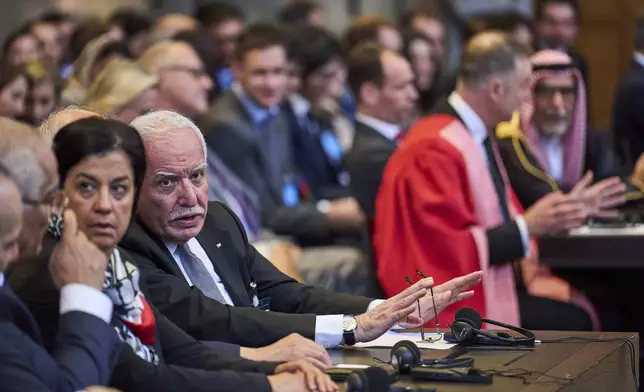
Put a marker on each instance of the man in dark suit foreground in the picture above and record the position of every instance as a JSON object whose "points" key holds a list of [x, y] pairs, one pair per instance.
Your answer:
{"points": [[203, 274], [383, 82], [86, 344]]}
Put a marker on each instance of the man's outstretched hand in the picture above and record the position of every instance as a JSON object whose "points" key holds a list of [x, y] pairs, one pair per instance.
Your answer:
{"points": [[402, 309], [445, 294]]}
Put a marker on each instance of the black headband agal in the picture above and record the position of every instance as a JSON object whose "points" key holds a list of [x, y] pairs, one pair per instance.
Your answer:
{"points": [[553, 67]]}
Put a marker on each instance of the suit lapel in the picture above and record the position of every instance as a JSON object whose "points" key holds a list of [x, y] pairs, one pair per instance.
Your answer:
{"points": [[214, 242], [159, 252]]}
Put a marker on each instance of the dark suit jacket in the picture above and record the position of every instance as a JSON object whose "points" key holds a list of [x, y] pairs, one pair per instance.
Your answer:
{"points": [[321, 173], [599, 157], [185, 364], [366, 162], [628, 114], [85, 350], [238, 264], [228, 130]]}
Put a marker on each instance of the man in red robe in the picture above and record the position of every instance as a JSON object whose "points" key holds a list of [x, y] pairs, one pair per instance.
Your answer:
{"points": [[445, 207]]}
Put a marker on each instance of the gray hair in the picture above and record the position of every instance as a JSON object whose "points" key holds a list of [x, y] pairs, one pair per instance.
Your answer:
{"points": [[490, 54], [164, 124], [19, 155], [60, 118]]}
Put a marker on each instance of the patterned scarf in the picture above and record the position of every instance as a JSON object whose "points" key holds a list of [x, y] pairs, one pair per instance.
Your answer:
{"points": [[135, 323], [548, 63]]}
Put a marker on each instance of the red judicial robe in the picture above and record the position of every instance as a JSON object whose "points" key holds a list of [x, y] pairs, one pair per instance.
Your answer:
{"points": [[437, 211]]}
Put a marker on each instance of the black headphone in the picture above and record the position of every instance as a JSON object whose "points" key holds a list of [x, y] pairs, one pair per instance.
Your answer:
{"points": [[405, 355], [372, 379], [466, 329], [376, 379]]}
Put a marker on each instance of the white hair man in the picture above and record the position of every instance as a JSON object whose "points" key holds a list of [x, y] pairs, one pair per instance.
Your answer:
{"points": [[198, 259]]}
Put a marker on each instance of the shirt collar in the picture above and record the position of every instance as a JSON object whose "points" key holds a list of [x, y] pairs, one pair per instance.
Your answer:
{"points": [[386, 129], [472, 121], [1, 279], [257, 113], [639, 57], [300, 105]]}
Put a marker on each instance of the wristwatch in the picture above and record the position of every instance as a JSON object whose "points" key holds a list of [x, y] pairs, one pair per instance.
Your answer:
{"points": [[349, 325]]}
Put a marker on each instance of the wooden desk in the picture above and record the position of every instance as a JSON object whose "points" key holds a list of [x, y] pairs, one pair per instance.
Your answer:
{"points": [[592, 366], [594, 248]]}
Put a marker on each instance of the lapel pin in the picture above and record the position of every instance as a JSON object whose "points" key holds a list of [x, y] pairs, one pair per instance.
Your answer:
{"points": [[219, 245]]}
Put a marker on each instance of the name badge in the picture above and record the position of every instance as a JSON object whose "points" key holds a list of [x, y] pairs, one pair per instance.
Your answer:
{"points": [[262, 304], [290, 197], [331, 146]]}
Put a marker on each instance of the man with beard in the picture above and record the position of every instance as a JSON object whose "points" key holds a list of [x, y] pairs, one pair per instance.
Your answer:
{"points": [[445, 206], [549, 147]]}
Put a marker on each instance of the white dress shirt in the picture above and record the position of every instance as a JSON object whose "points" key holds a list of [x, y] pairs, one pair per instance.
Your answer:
{"points": [[639, 57], [388, 130], [553, 151], [328, 328], [479, 131], [82, 298]]}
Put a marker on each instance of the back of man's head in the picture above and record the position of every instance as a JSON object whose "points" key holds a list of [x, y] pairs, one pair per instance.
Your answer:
{"points": [[25, 156], [639, 32], [259, 36], [364, 65], [60, 118], [489, 54]]}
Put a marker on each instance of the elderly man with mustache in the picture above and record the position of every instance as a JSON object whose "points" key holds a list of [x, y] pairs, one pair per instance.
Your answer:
{"points": [[549, 146]]}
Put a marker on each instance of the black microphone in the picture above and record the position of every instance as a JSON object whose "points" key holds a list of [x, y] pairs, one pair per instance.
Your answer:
{"points": [[376, 379]]}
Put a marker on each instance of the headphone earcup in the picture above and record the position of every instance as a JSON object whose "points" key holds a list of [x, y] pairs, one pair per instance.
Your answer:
{"points": [[357, 382], [464, 332], [405, 355]]}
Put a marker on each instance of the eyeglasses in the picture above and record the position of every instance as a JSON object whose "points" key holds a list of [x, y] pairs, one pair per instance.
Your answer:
{"points": [[545, 91], [439, 334], [195, 72], [54, 199]]}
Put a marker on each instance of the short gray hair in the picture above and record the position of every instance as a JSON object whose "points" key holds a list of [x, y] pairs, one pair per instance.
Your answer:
{"points": [[19, 154], [490, 54], [60, 118], [163, 124]]}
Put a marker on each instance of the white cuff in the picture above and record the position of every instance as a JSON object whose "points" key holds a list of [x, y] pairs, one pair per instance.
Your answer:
{"points": [[525, 235], [374, 303], [328, 330], [82, 298]]}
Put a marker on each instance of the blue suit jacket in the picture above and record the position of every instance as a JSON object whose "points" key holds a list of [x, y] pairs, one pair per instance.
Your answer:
{"points": [[85, 351]]}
